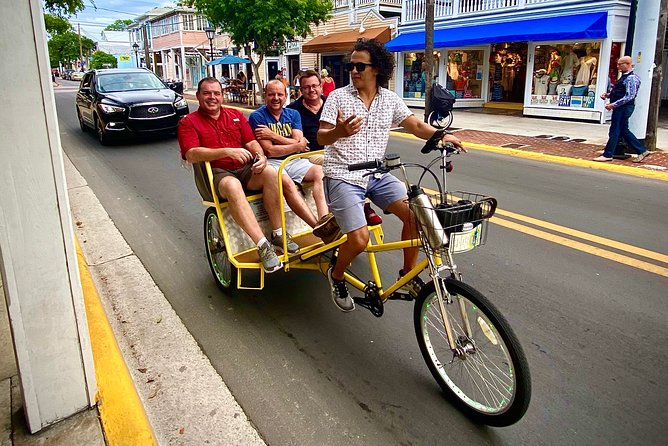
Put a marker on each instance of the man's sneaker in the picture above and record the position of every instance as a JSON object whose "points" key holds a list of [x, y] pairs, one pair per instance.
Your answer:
{"points": [[372, 218], [327, 229], [269, 259], [277, 241], [339, 292], [641, 156], [413, 287], [602, 158]]}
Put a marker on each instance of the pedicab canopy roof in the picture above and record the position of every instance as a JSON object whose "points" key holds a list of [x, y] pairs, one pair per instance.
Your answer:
{"points": [[344, 41], [568, 27]]}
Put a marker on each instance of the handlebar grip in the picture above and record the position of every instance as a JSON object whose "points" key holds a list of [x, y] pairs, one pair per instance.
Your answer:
{"points": [[433, 141], [368, 165]]}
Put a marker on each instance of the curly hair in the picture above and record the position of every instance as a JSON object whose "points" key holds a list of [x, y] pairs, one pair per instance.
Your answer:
{"points": [[381, 59]]}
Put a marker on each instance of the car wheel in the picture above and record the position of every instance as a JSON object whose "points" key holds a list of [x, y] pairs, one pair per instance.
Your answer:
{"points": [[102, 135], [82, 124]]}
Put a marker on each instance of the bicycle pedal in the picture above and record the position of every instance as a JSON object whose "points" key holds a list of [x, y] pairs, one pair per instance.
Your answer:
{"points": [[401, 296]]}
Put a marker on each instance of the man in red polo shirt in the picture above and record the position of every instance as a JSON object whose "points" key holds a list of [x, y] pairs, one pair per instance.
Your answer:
{"points": [[223, 136]]}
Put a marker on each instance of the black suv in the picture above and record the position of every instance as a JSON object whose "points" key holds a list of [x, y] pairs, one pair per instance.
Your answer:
{"points": [[127, 102]]}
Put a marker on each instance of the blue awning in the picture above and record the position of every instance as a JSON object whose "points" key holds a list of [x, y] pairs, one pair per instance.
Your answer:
{"points": [[570, 27]]}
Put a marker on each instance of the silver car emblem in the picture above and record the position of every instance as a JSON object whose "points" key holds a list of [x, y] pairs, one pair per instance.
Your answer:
{"points": [[153, 109]]}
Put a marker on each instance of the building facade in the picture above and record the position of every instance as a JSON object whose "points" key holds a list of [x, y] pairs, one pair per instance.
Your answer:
{"points": [[547, 57]]}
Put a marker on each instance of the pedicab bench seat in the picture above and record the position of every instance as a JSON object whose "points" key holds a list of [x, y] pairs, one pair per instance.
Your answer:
{"points": [[239, 245]]}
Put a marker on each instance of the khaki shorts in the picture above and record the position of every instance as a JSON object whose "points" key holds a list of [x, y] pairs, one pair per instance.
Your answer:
{"points": [[244, 174]]}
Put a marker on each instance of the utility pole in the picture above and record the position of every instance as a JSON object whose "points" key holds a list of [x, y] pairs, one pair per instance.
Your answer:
{"points": [[657, 77], [428, 57], [80, 48], [147, 56]]}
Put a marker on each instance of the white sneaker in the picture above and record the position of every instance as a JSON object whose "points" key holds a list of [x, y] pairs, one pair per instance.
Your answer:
{"points": [[602, 158]]}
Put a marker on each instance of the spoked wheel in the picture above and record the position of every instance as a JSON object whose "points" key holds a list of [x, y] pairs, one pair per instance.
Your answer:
{"points": [[224, 273], [440, 121], [488, 377]]}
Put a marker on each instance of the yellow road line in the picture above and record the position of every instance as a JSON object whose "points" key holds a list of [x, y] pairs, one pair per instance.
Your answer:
{"points": [[121, 411], [586, 236], [582, 247]]}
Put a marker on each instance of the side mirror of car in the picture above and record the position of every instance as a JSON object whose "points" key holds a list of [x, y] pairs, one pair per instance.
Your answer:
{"points": [[176, 86]]}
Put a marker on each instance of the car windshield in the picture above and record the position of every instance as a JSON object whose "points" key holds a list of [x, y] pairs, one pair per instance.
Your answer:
{"points": [[128, 82]]}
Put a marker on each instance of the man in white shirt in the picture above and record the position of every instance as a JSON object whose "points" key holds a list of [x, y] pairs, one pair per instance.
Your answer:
{"points": [[354, 127]]}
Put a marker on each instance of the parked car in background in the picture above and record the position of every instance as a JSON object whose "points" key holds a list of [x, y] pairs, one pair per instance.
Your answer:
{"points": [[76, 75], [130, 101]]}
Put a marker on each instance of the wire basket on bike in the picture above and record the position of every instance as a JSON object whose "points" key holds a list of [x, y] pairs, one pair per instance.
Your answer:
{"points": [[461, 221]]}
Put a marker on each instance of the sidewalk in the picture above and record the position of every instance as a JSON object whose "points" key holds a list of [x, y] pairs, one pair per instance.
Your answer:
{"points": [[162, 362]]}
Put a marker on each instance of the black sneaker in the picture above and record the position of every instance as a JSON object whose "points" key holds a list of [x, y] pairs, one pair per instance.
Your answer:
{"points": [[413, 287], [339, 292]]}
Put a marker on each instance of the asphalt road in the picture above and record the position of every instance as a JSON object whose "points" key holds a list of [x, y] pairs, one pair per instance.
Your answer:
{"points": [[587, 306]]}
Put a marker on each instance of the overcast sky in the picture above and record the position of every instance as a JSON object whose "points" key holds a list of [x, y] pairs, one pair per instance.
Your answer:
{"points": [[94, 20]]}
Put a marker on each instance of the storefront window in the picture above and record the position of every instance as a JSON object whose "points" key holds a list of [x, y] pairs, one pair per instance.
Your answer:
{"points": [[508, 71], [565, 75], [464, 73], [415, 76]]}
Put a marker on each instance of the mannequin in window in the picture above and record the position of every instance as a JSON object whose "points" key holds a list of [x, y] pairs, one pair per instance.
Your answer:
{"points": [[554, 64], [540, 82], [587, 67], [509, 73], [570, 61]]}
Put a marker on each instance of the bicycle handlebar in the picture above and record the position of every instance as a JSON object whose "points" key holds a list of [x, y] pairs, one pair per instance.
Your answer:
{"points": [[367, 165]]}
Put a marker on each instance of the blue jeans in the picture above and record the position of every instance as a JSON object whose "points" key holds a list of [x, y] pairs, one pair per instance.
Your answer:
{"points": [[619, 128]]}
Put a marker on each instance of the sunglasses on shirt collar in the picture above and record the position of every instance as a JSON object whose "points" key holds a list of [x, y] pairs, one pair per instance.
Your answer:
{"points": [[359, 66]]}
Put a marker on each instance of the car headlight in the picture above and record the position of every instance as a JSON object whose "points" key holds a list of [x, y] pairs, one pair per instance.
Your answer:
{"points": [[111, 108], [180, 103]]}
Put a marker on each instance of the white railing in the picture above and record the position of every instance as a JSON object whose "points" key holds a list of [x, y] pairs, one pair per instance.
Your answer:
{"points": [[366, 3], [339, 4], [485, 5], [415, 10]]}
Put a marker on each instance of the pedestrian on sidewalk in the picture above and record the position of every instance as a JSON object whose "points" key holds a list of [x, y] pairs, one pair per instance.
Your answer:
{"points": [[622, 103]]}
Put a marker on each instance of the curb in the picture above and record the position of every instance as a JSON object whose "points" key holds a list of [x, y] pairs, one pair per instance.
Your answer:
{"points": [[122, 415]]}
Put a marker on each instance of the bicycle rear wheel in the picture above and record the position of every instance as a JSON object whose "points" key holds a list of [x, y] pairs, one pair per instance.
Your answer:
{"points": [[224, 273], [489, 378], [440, 121]]}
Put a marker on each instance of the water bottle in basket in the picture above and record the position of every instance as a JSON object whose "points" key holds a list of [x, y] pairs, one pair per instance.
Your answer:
{"points": [[424, 211]]}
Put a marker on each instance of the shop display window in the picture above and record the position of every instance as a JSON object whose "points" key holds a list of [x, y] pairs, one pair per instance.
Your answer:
{"points": [[415, 76], [464, 70], [507, 71], [565, 75]]}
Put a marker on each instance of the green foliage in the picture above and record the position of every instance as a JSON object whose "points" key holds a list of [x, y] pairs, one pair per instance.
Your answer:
{"points": [[64, 7], [119, 25], [56, 25], [100, 59], [264, 24], [64, 48]]}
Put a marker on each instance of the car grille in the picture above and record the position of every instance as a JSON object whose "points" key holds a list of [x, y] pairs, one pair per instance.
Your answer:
{"points": [[151, 111], [149, 125]]}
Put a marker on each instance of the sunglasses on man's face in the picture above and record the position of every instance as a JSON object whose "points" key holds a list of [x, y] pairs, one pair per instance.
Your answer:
{"points": [[359, 66]]}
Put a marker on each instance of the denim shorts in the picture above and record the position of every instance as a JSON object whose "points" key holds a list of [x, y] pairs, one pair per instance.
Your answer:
{"points": [[295, 169], [346, 201]]}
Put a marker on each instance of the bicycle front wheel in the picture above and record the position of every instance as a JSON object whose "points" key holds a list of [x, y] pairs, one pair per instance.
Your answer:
{"points": [[487, 377], [440, 121]]}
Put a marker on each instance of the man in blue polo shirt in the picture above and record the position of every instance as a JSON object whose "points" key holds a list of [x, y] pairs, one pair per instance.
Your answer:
{"points": [[279, 132]]}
